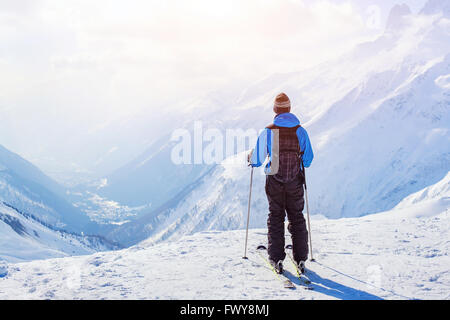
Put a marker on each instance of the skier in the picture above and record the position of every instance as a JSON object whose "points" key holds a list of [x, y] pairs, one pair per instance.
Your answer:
{"points": [[288, 146]]}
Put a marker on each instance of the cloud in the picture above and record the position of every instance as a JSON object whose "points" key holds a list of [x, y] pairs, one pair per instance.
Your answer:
{"points": [[145, 49], [18, 6]]}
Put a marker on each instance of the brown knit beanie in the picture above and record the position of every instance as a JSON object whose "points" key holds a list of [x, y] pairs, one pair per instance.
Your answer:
{"points": [[282, 104]]}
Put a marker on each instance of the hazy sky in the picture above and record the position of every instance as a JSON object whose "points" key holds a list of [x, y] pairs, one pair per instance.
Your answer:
{"points": [[74, 66]]}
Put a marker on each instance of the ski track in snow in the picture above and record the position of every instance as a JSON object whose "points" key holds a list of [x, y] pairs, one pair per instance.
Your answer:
{"points": [[374, 257]]}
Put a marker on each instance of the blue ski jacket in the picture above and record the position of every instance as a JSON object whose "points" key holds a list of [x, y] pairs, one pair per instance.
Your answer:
{"points": [[265, 140]]}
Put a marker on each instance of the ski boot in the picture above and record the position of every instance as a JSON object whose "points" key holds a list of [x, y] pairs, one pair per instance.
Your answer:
{"points": [[277, 266], [301, 267]]}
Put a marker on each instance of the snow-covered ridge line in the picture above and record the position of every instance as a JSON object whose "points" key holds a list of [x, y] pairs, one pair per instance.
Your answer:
{"points": [[438, 191], [23, 237], [89, 237], [25, 187]]}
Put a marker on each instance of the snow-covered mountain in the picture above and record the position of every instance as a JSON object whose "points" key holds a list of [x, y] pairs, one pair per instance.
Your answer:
{"points": [[429, 201], [25, 187], [378, 118], [152, 178], [24, 237], [392, 255], [36, 220]]}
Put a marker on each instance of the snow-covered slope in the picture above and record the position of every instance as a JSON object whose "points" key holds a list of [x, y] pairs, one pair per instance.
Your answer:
{"points": [[438, 192], [430, 201], [218, 201], [25, 187], [24, 237], [152, 178], [15, 163], [384, 256], [36, 220]]}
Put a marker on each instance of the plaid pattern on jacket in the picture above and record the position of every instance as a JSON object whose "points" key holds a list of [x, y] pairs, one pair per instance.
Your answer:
{"points": [[286, 151]]}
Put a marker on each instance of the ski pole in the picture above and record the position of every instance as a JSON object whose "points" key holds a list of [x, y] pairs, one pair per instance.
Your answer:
{"points": [[307, 213], [248, 214]]}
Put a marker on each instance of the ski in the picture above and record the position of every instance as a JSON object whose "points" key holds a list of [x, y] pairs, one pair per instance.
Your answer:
{"points": [[301, 277], [288, 284]]}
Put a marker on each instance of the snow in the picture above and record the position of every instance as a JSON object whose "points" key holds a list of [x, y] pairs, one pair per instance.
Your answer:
{"points": [[379, 121], [372, 257], [24, 239], [439, 191], [427, 202], [25, 187], [3, 269], [398, 254]]}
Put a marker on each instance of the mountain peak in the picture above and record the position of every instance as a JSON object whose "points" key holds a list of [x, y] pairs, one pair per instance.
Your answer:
{"points": [[396, 17]]}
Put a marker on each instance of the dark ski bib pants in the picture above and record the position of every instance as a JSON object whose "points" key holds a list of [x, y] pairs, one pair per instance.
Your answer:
{"points": [[285, 194]]}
